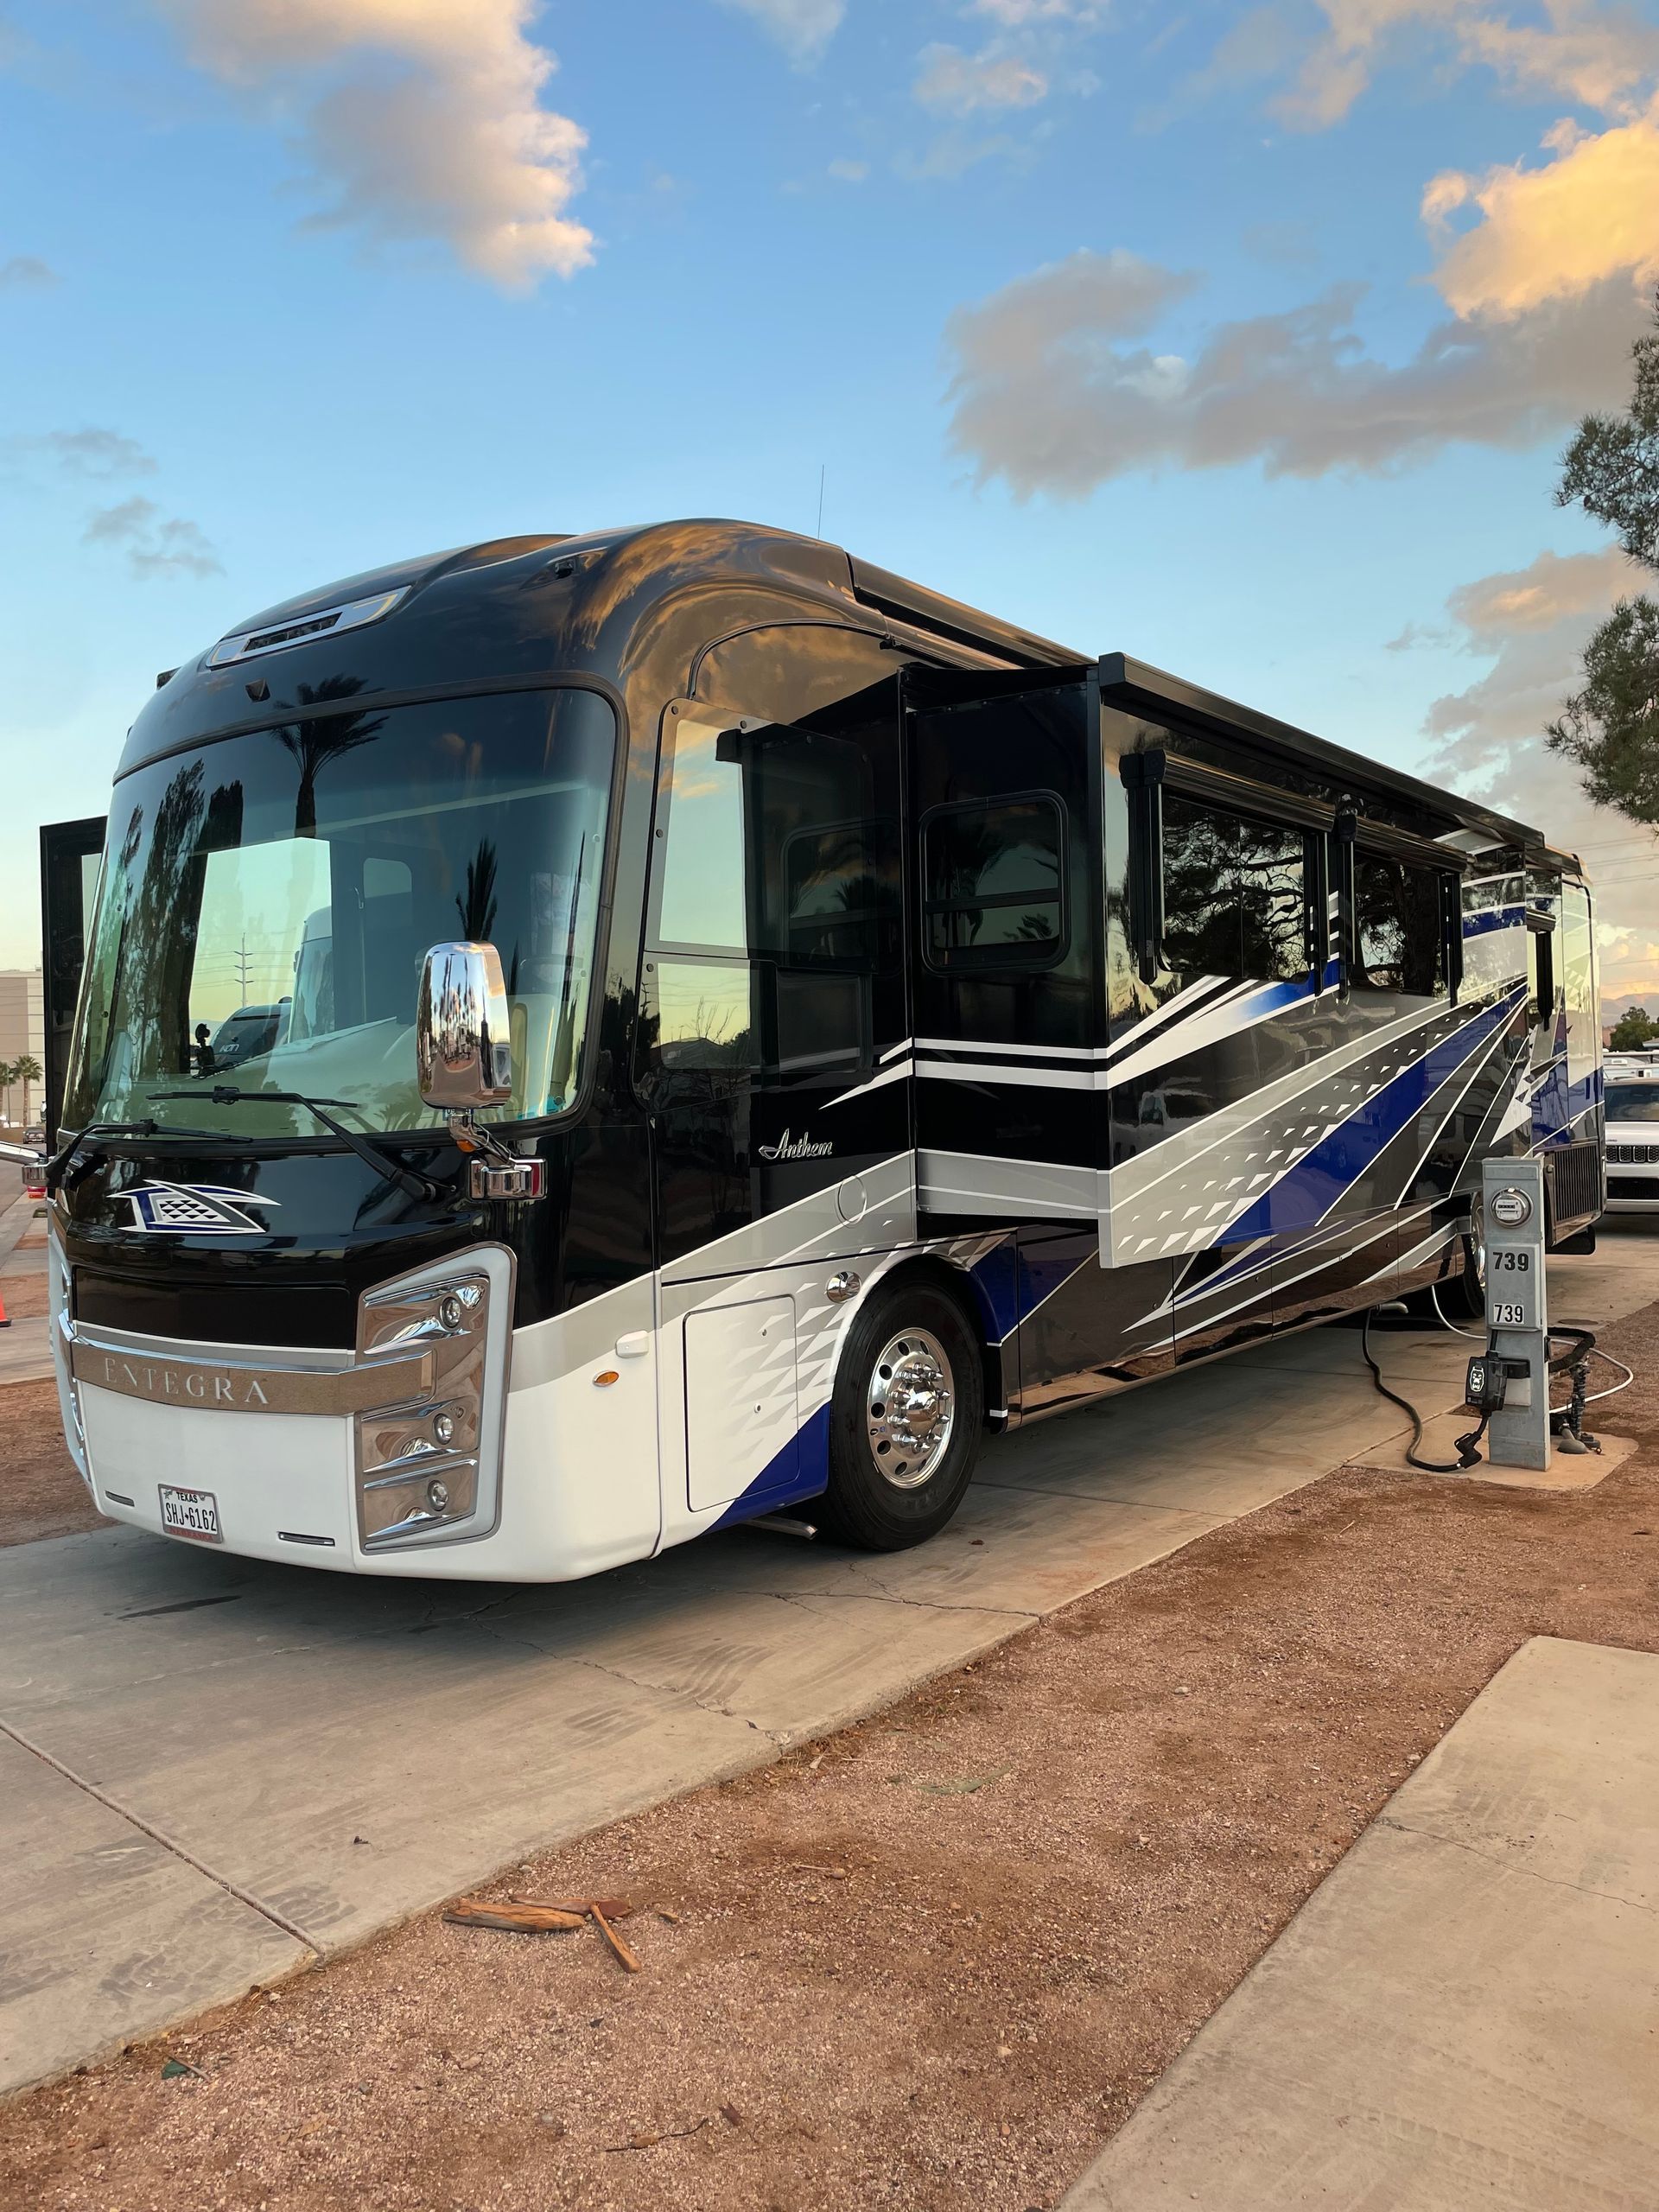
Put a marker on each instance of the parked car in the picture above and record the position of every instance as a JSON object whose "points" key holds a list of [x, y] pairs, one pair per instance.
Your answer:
{"points": [[1632, 1096]]}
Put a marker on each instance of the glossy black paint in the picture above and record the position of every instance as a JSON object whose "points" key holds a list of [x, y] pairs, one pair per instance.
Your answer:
{"points": [[753, 619], [952, 705]]}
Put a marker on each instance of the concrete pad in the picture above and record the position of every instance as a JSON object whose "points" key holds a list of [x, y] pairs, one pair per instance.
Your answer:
{"points": [[26, 1349], [154, 1940], [265, 1717], [1463, 2011], [1567, 1471]]}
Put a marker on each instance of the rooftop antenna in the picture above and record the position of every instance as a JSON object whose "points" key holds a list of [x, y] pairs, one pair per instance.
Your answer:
{"points": [[823, 469]]}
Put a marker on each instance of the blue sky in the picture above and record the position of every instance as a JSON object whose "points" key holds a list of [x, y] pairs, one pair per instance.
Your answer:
{"points": [[1243, 339]]}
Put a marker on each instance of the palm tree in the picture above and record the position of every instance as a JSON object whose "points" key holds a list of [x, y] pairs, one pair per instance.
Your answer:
{"points": [[26, 1070], [8, 1076]]}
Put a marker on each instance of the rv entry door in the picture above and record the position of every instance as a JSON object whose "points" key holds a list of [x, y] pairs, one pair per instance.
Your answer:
{"points": [[1008, 1014]]}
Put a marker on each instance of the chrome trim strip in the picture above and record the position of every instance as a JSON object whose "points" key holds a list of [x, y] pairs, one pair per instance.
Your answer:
{"points": [[235, 1385]]}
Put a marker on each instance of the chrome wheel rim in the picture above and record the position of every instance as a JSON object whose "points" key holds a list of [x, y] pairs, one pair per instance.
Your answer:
{"points": [[910, 1407], [1477, 1240]]}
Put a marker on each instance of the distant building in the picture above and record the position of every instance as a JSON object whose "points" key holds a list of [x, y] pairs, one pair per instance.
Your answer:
{"points": [[22, 1035]]}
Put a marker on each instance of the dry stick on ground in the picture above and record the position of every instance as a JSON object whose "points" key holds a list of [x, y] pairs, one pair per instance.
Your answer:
{"points": [[628, 1957], [520, 1919]]}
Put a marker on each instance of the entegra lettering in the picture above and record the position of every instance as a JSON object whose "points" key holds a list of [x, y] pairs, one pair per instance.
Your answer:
{"points": [[794, 1147], [202, 1387]]}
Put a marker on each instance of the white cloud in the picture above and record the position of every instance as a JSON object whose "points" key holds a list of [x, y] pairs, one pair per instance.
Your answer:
{"points": [[1599, 56], [1550, 233], [154, 544], [1531, 625], [802, 27], [422, 118], [951, 82], [25, 271], [845, 172], [1047, 395], [1015, 14]]}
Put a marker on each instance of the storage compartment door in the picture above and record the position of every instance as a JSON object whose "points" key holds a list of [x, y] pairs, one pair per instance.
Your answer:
{"points": [[741, 1423]]}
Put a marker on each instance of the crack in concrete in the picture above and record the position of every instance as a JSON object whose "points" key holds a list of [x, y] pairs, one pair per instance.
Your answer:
{"points": [[168, 1843], [1511, 1865], [881, 1596]]}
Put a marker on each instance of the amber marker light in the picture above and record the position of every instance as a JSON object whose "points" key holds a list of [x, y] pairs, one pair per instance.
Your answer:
{"points": [[604, 1380]]}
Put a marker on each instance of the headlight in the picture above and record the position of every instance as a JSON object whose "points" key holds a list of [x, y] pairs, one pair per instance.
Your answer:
{"points": [[429, 1467]]}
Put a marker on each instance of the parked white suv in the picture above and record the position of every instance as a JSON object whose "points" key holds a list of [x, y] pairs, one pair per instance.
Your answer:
{"points": [[1632, 1093]]}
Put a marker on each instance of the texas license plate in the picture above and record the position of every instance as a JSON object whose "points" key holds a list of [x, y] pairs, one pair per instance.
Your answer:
{"points": [[191, 1513]]}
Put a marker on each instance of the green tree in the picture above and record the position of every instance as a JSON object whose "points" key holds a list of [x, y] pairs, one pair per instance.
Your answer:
{"points": [[1634, 1028], [8, 1076], [1611, 727]]}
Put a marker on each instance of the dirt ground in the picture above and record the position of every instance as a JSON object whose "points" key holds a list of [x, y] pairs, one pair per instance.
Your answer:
{"points": [[24, 1296], [41, 1494], [933, 1962]]}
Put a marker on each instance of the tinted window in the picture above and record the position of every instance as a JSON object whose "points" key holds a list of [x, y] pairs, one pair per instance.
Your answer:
{"points": [[774, 845], [1234, 894], [1633, 1102], [777, 902], [1397, 924], [992, 879]]}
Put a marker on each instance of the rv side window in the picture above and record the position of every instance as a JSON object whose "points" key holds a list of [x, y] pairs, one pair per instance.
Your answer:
{"points": [[1398, 923], [992, 883], [1235, 893]]}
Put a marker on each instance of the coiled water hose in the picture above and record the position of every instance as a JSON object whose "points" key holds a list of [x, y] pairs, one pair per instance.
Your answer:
{"points": [[1581, 1349]]}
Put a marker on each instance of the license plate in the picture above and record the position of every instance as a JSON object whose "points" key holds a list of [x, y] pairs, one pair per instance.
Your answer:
{"points": [[191, 1513]]}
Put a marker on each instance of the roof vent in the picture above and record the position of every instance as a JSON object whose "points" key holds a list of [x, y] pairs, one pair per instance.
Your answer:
{"points": [[352, 616]]}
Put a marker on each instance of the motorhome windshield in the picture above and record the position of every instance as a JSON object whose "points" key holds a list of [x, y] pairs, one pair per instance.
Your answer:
{"points": [[267, 902]]}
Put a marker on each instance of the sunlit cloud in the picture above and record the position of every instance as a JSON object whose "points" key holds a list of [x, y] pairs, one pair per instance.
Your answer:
{"points": [[1550, 233], [417, 119], [1531, 625], [1599, 56]]}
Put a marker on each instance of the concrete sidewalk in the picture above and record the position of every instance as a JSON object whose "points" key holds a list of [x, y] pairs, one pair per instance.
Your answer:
{"points": [[217, 1770], [1465, 2012]]}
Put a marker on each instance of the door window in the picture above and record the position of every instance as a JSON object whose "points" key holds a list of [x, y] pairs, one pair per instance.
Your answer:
{"points": [[777, 902]]}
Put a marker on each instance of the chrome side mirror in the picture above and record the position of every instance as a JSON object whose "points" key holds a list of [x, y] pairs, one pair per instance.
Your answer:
{"points": [[22, 1155], [463, 1046]]}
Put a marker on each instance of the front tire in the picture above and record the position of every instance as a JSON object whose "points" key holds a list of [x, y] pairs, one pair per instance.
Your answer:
{"points": [[906, 1420]]}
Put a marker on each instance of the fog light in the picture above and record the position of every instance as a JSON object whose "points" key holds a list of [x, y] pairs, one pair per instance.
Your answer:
{"points": [[437, 1496], [443, 1426], [450, 1312]]}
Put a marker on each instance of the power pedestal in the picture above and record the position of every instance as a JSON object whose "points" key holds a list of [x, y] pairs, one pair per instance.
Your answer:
{"points": [[1517, 1313]]}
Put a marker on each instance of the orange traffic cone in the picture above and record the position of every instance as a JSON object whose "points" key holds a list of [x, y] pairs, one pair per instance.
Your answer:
{"points": [[5, 1317]]}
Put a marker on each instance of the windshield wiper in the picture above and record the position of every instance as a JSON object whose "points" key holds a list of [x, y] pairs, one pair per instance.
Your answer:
{"points": [[58, 1166], [228, 1094]]}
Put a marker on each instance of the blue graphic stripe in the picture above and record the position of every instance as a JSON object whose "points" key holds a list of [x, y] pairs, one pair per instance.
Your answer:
{"points": [[801, 1470], [1309, 1190]]}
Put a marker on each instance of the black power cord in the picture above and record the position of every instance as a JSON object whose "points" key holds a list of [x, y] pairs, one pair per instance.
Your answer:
{"points": [[1467, 1446]]}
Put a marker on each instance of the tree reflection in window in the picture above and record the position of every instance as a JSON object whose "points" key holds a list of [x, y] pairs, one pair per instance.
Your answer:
{"points": [[1397, 924], [992, 874], [1234, 894]]}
